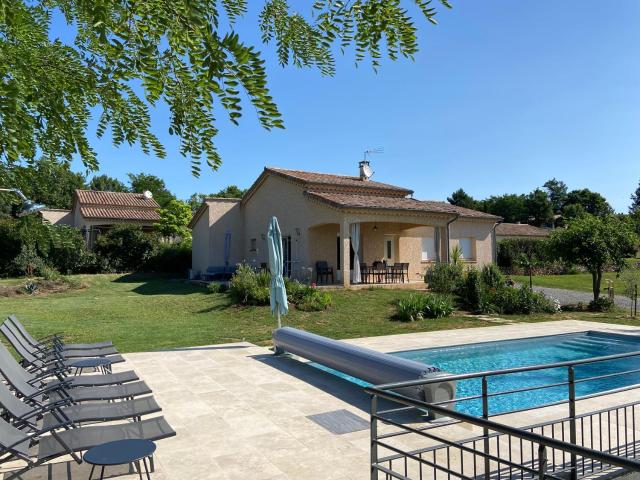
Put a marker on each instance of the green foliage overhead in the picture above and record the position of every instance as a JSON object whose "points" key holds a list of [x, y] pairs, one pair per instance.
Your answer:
{"points": [[186, 54], [105, 183], [511, 207], [594, 243], [142, 181], [174, 219]]}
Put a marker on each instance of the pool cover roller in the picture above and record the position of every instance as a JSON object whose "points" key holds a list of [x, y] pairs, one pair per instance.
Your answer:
{"points": [[373, 367]]}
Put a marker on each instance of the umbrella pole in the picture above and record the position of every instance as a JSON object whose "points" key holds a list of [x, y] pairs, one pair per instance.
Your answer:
{"points": [[278, 317]]}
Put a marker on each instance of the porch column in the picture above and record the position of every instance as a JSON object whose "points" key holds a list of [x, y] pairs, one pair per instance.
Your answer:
{"points": [[345, 253]]}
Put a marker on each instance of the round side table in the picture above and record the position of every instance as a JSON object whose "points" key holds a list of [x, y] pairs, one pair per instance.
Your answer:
{"points": [[120, 452], [99, 363]]}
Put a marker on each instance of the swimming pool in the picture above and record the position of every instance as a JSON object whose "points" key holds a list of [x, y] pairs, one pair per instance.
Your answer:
{"points": [[491, 356]]}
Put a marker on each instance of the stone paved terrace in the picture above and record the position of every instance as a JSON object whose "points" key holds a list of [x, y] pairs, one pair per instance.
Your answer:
{"points": [[241, 413]]}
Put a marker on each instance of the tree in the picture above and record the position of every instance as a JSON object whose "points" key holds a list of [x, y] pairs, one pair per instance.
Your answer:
{"points": [[594, 243], [174, 219], [105, 183], [186, 54], [592, 202], [48, 182], [461, 198], [539, 208], [557, 191], [142, 181], [232, 191], [635, 201], [511, 207]]}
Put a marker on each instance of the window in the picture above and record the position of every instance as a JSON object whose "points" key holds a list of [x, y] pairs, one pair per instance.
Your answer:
{"points": [[253, 245], [466, 246], [428, 249]]}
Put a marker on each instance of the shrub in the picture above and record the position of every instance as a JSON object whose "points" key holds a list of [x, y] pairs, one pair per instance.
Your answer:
{"points": [[49, 273], [444, 277], [171, 258], [471, 289], [492, 277], [217, 287], [66, 249], [314, 300], [522, 300], [417, 306], [438, 306], [248, 287], [511, 251], [126, 247], [602, 304], [28, 262]]}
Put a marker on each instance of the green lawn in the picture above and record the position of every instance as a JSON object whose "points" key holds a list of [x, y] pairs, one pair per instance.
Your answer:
{"points": [[578, 281], [142, 313]]}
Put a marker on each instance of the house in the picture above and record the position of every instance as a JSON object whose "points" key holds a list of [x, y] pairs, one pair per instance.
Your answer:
{"points": [[324, 216], [520, 231], [95, 212]]}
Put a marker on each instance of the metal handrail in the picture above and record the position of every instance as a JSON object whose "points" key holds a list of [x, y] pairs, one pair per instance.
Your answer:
{"points": [[508, 430]]}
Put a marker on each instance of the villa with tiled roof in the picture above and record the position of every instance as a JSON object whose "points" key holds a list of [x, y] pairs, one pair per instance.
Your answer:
{"points": [[337, 220], [95, 212]]}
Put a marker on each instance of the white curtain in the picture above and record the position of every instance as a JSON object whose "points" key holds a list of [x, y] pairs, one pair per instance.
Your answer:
{"points": [[355, 244]]}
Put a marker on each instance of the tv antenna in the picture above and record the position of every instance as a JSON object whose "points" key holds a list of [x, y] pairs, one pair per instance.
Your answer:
{"points": [[371, 151]]}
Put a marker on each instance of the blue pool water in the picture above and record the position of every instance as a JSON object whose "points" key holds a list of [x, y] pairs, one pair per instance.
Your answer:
{"points": [[491, 356]]}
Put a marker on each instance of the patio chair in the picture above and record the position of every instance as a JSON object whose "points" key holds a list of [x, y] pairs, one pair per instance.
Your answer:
{"points": [[36, 360], [32, 390], [56, 338], [405, 271], [395, 272], [323, 272], [365, 273], [380, 271], [66, 438], [43, 349]]}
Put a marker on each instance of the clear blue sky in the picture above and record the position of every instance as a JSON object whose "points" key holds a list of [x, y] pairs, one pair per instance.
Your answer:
{"points": [[502, 96]]}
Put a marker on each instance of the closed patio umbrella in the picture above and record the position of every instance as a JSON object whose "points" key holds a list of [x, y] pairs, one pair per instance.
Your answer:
{"points": [[278, 297]]}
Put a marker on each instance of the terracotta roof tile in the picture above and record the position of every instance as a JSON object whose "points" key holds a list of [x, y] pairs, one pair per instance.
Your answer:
{"points": [[317, 181], [115, 199], [346, 200], [110, 213], [117, 206], [520, 230]]}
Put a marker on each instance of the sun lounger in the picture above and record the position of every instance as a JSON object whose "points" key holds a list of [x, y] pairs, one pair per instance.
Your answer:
{"points": [[56, 338]]}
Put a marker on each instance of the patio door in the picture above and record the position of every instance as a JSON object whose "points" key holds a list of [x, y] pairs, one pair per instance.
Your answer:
{"points": [[389, 249], [286, 256]]}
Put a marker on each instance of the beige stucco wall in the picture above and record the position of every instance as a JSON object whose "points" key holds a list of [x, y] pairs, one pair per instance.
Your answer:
{"points": [[296, 214], [481, 235], [200, 251], [57, 217]]}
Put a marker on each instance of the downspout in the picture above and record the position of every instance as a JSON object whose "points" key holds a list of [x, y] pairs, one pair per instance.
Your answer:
{"points": [[494, 243], [448, 242]]}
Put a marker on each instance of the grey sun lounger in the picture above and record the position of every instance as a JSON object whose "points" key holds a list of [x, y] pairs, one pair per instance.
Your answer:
{"points": [[33, 355], [18, 379], [55, 338], [51, 377], [67, 440], [25, 415]]}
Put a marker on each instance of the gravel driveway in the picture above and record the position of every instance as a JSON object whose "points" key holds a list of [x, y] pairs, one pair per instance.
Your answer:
{"points": [[566, 297]]}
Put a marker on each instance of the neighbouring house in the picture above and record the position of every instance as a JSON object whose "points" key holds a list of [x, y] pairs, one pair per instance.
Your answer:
{"points": [[95, 212], [520, 231], [323, 217]]}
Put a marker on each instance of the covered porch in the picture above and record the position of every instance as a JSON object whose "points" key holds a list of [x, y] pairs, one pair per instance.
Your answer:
{"points": [[377, 249]]}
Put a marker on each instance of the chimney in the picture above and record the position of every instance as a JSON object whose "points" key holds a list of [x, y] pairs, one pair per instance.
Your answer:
{"points": [[365, 170]]}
